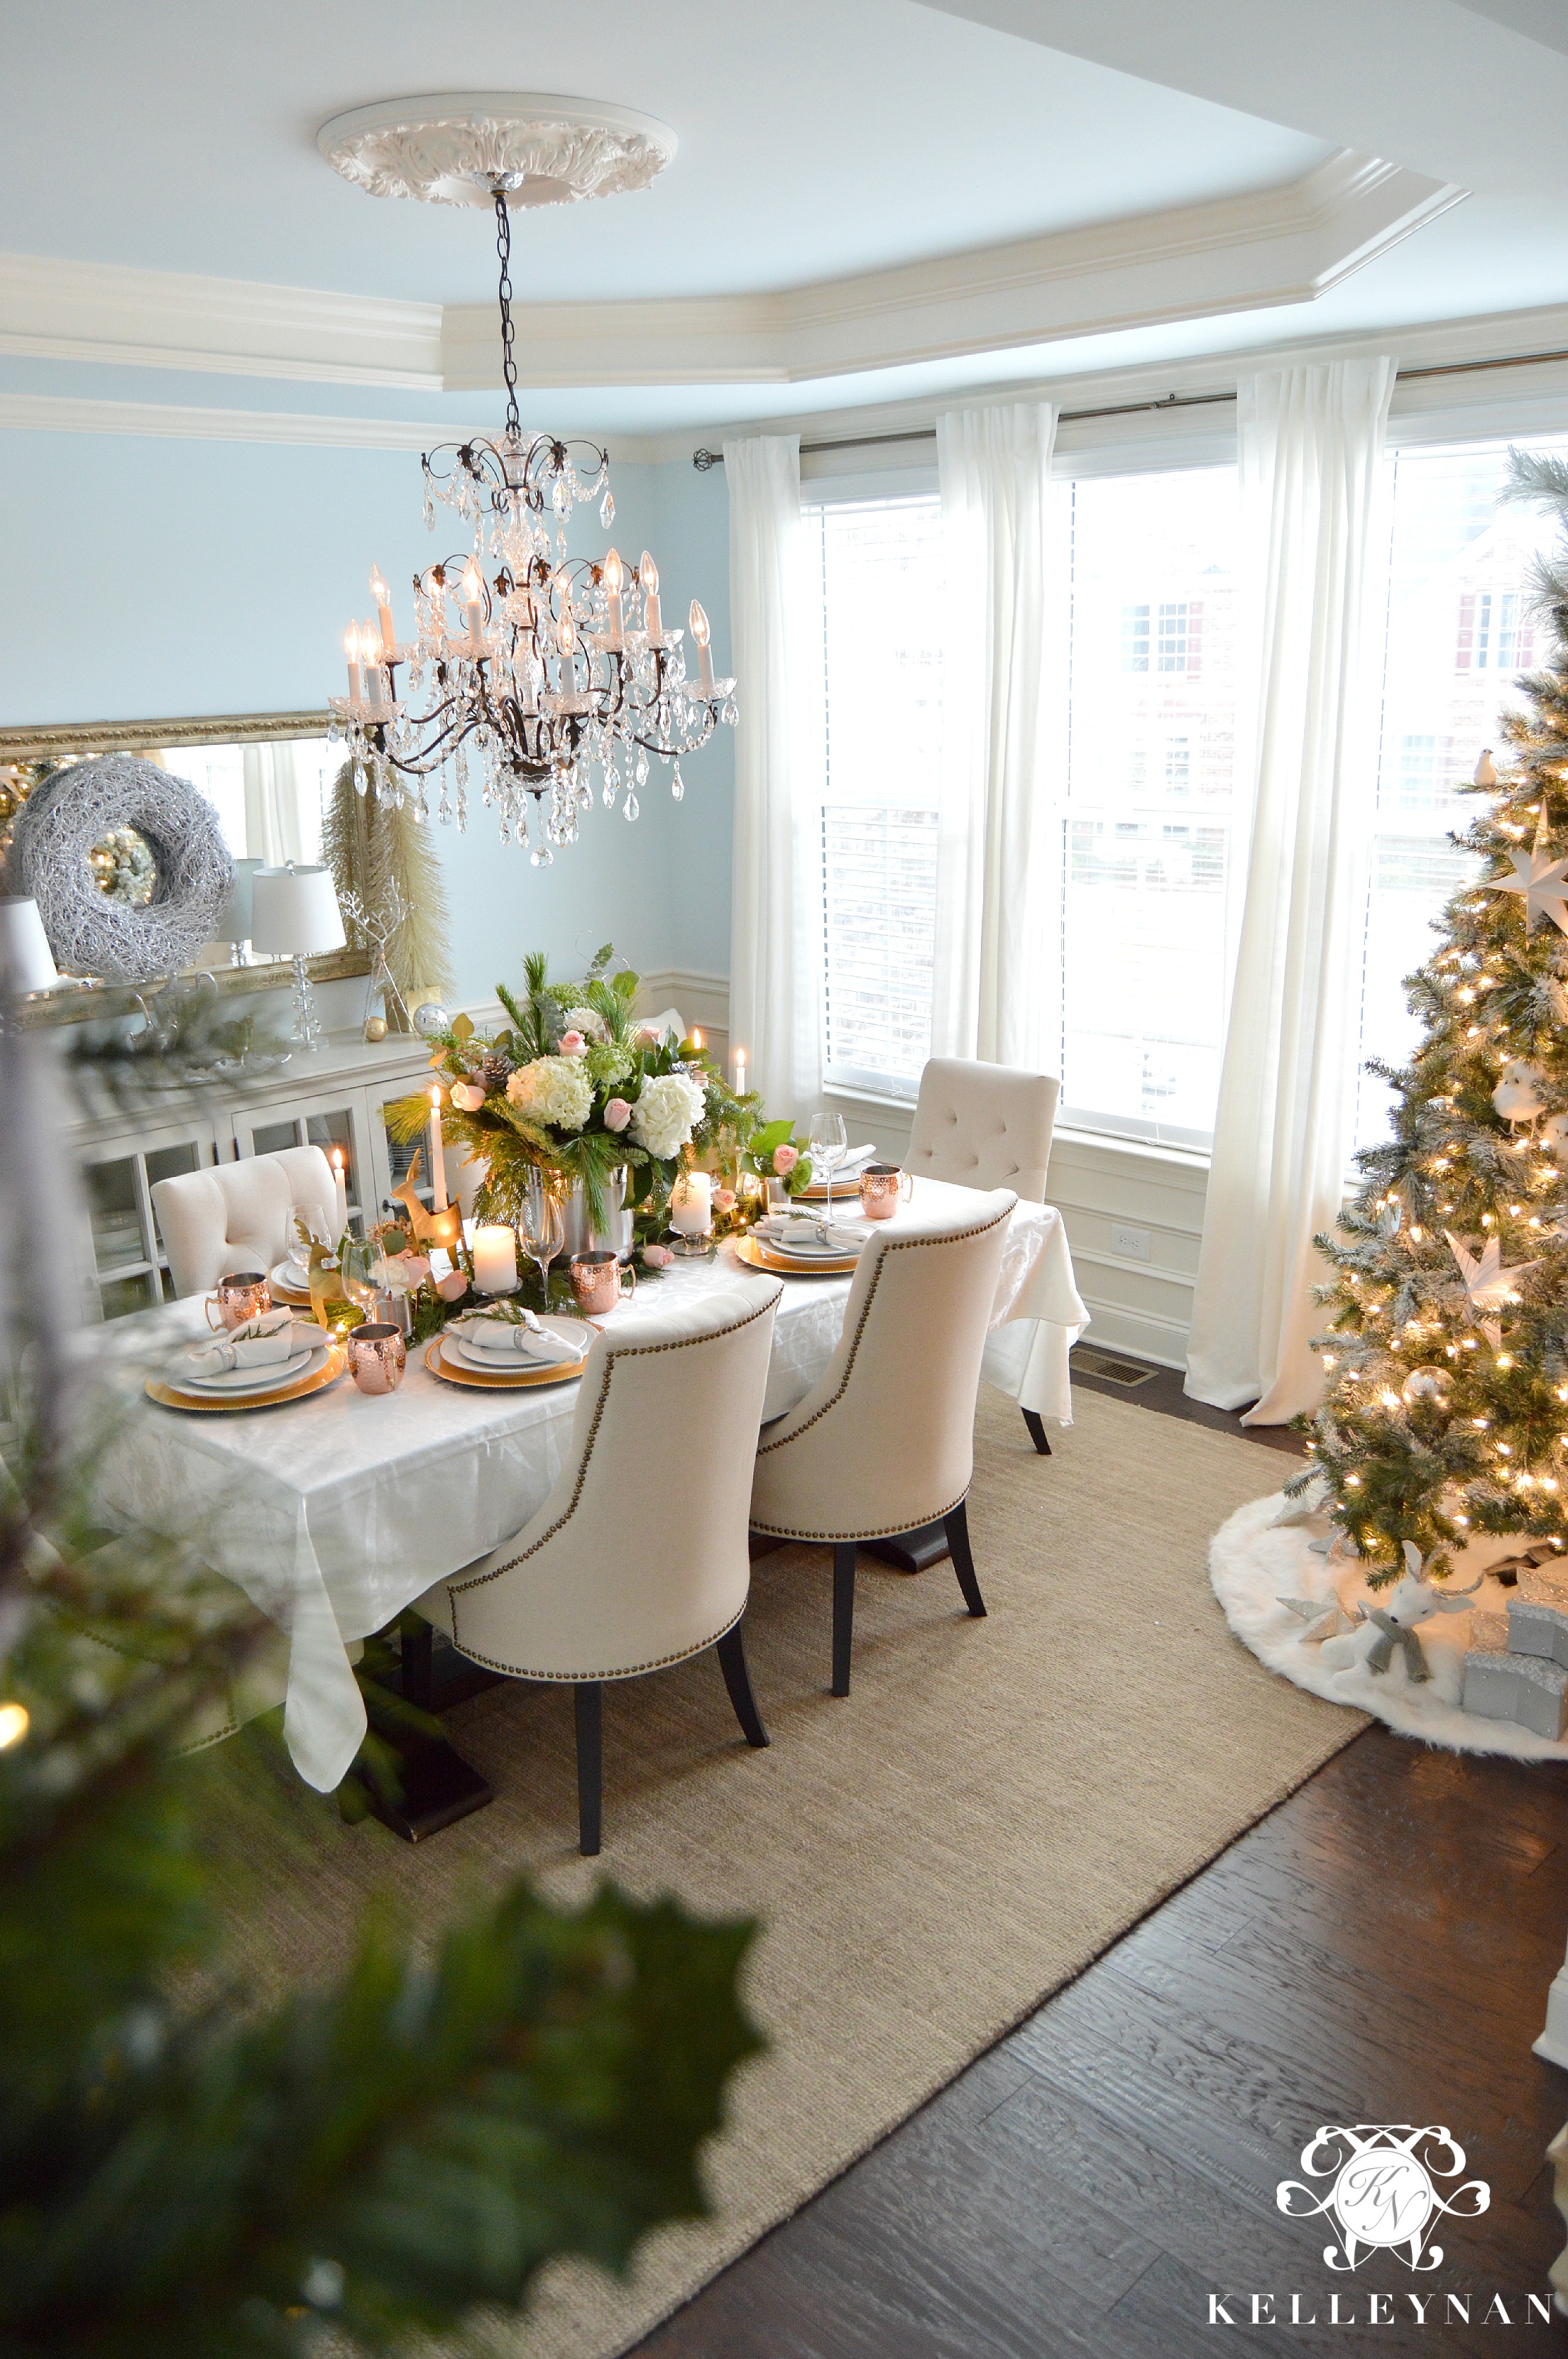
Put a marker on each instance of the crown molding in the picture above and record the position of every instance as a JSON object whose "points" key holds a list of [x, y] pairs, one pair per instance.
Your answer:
{"points": [[1280, 245], [50, 413], [103, 311]]}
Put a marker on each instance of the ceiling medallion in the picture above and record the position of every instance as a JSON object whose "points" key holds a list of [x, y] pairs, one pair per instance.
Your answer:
{"points": [[458, 148], [542, 667]]}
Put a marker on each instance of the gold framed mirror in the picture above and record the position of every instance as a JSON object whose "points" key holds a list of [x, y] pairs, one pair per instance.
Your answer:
{"points": [[267, 776]]}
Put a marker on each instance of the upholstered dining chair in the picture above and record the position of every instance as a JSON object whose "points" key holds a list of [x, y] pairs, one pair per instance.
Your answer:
{"points": [[640, 1556], [884, 1440], [980, 1125], [241, 1215]]}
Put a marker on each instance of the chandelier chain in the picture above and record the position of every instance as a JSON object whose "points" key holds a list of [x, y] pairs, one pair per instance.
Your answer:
{"points": [[509, 360]]}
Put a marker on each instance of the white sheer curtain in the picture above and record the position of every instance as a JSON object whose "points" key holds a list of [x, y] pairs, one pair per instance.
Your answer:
{"points": [[280, 824], [775, 949], [990, 981], [1310, 446]]}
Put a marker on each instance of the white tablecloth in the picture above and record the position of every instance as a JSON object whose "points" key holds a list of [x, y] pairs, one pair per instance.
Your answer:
{"points": [[335, 1512]]}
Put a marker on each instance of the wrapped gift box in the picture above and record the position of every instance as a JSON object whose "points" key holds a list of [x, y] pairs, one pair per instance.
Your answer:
{"points": [[1537, 1614], [1502, 1683]]}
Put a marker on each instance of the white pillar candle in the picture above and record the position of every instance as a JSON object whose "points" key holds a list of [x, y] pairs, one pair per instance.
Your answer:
{"points": [[340, 1193], [495, 1260], [437, 1153], [382, 614], [351, 649], [692, 1204]]}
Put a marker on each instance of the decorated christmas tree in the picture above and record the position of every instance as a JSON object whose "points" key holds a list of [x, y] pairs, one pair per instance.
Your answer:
{"points": [[1446, 1415]]}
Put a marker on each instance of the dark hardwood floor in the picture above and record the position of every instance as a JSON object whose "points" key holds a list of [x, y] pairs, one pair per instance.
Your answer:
{"points": [[1377, 1949]]}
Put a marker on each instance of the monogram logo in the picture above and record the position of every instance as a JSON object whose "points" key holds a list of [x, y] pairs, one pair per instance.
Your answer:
{"points": [[1383, 2196]]}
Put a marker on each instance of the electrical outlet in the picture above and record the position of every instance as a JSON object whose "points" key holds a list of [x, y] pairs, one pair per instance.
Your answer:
{"points": [[1131, 1243]]}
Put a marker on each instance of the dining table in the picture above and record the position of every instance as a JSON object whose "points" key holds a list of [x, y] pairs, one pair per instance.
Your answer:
{"points": [[335, 1511]]}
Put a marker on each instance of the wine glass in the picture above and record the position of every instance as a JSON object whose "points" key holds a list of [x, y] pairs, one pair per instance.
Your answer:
{"points": [[362, 1268], [829, 1143], [541, 1228]]}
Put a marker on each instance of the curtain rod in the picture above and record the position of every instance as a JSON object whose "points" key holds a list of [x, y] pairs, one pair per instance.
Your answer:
{"points": [[703, 459]]}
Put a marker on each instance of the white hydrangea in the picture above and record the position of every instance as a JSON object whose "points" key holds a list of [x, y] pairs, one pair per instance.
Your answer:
{"points": [[583, 1020], [666, 1114], [554, 1090]]}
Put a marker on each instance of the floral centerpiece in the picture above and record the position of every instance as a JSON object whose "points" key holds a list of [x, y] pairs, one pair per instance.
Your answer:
{"points": [[578, 1088]]}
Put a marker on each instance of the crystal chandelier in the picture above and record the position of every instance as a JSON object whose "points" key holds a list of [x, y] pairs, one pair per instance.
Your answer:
{"points": [[539, 670]]}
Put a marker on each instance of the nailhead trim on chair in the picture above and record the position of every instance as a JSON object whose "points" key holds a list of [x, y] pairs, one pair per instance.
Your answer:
{"points": [[612, 1359], [905, 1245], [570, 1679], [883, 1531]]}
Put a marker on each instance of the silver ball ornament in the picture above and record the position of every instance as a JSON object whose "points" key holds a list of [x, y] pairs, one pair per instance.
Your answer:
{"points": [[431, 1017], [1429, 1388]]}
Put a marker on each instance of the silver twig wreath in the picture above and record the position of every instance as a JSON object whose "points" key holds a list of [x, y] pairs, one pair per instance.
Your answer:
{"points": [[93, 932]]}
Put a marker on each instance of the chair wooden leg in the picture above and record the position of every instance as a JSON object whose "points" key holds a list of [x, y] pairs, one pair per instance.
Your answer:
{"points": [[843, 1613], [1035, 1425], [588, 1701], [737, 1679], [962, 1560]]}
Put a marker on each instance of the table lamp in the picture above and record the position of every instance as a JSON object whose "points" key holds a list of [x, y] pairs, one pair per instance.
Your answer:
{"points": [[235, 919], [26, 962], [294, 913]]}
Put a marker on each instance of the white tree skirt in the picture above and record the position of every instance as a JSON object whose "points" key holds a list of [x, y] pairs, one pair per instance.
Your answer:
{"points": [[1252, 1565]]}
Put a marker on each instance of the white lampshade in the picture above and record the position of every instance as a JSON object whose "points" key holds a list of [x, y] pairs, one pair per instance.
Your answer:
{"points": [[294, 913], [235, 919], [28, 963]]}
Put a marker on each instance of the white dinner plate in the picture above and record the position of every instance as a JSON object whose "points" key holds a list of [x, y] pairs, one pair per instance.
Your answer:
{"points": [[246, 1380], [576, 1334], [507, 1363], [289, 1274]]}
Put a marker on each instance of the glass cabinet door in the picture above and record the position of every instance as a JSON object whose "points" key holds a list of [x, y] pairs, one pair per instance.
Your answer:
{"points": [[335, 1123], [393, 1158], [130, 1266]]}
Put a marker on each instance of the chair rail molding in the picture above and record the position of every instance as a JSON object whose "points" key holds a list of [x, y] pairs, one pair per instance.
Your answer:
{"points": [[1284, 244]]}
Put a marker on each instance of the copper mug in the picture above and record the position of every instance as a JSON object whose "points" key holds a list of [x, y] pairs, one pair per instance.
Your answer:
{"points": [[598, 1280], [377, 1357], [243, 1294], [883, 1187]]}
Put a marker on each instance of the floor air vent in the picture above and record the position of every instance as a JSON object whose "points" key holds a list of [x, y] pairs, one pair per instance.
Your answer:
{"points": [[1086, 1361]]}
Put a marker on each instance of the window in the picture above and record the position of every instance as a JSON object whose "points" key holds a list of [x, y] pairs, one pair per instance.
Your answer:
{"points": [[1456, 633], [878, 564], [1147, 875]]}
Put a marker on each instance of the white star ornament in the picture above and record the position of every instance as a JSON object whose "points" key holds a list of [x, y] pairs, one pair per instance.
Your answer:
{"points": [[1489, 1286], [1538, 882]]}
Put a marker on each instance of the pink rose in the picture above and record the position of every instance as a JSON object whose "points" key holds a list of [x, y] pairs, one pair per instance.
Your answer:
{"points": [[785, 1160], [723, 1200], [408, 1269], [573, 1044], [650, 1036], [467, 1096], [453, 1286], [618, 1113], [658, 1256]]}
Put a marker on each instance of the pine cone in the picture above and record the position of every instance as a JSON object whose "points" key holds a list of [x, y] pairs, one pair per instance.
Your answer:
{"points": [[497, 1070]]}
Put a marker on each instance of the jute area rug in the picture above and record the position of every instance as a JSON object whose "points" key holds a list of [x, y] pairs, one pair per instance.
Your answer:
{"points": [[994, 1803]]}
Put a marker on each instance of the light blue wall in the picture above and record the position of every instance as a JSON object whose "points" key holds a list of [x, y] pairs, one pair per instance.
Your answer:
{"points": [[146, 577]]}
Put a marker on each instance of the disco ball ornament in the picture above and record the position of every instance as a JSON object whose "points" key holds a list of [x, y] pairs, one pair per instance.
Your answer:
{"points": [[1430, 1390], [431, 1017]]}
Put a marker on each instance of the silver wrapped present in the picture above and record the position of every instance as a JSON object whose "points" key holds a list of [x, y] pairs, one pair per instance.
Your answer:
{"points": [[1526, 1689], [1537, 1614]]}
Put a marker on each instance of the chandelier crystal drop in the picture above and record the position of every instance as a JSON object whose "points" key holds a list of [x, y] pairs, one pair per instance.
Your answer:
{"points": [[541, 667]]}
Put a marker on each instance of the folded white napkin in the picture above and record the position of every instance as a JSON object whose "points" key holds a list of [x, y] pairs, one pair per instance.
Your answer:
{"points": [[805, 1236], [508, 1339], [261, 1343]]}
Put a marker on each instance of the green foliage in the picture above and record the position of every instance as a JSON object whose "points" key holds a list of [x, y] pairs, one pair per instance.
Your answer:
{"points": [[1492, 1456]]}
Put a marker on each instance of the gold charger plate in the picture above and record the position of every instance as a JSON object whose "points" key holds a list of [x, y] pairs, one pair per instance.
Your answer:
{"points": [[561, 1373], [752, 1250], [314, 1380]]}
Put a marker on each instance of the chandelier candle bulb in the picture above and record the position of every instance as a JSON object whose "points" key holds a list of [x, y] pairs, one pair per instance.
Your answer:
{"points": [[703, 637], [437, 1153], [351, 649], [472, 586], [653, 620], [615, 581], [379, 590], [495, 1260]]}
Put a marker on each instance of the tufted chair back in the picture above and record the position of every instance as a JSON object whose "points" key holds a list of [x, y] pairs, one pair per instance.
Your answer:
{"points": [[241, 1215], [983, 1125]]}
